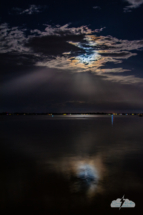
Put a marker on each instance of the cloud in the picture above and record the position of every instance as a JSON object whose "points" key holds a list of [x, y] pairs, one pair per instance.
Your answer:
{"points": [[12, 39], [129, 79], [15, 40], [127, 204], [69, 48], [65, 30], [47, 45], [133, 4], [97, 7], [93, 54], [32, 9]]}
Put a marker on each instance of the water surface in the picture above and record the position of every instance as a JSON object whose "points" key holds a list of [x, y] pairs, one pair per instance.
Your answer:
{"points": [[70, 165]]}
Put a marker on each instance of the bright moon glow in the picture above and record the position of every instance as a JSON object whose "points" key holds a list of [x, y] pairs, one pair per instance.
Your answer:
{"points": [[89, 58]]}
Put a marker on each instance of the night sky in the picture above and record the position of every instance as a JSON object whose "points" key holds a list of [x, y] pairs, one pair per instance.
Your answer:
{"points": [[71, 56]]}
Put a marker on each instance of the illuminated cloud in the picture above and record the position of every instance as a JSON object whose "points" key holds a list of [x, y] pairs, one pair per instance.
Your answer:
{"points": [[133, 4], [65, 30], [95, 52], [69, 48], [129, 79], [15, 42]]}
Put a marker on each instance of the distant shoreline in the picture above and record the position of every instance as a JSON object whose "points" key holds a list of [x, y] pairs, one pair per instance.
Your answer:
{"points": [[69, 114]]}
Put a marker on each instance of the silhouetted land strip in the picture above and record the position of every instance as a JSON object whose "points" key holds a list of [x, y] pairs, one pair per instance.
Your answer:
{"points": [[68, 114]]}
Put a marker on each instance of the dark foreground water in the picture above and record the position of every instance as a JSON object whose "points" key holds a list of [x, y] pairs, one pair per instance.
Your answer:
{"points": [[78, 165]]}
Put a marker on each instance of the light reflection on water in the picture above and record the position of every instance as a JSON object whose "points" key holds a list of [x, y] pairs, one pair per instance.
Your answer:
{"points": [[85, 179], [59, 165], [112, 119], [83, 173]]}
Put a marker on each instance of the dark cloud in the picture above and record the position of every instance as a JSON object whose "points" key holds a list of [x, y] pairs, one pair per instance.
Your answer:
{"points": [[53, 42], [16, 59], [31, 10], [55, 45], [97, 7], [140, 42], [44, 89]]}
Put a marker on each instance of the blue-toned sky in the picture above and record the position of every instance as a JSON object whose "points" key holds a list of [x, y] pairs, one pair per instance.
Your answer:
{"points": [[71, 56]]}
